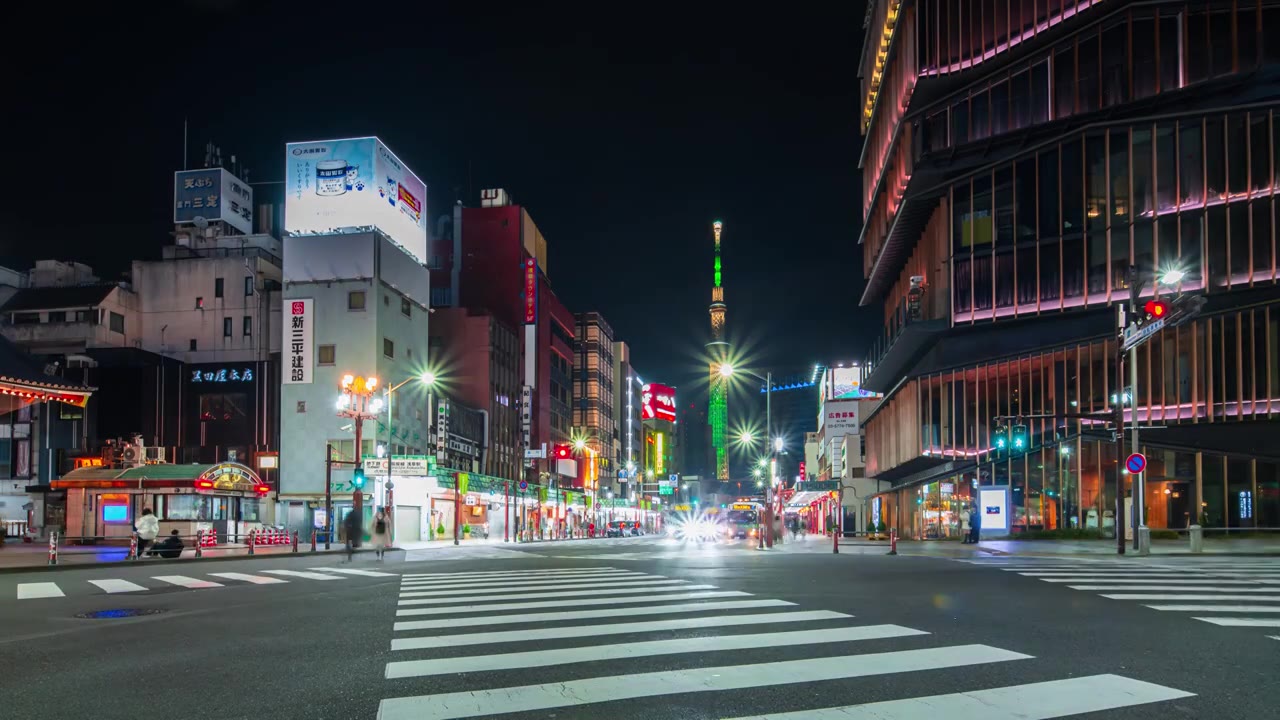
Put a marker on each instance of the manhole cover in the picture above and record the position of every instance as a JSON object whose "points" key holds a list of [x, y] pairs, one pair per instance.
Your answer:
{"points": [[118, 613]]}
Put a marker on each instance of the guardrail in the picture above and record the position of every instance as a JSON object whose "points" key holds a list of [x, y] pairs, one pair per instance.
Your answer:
{"points": [[203, 540]]}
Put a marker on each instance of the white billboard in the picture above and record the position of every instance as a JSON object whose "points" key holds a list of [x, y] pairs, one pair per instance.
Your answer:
{"points": [[332, 185], [839, 418], [299, 328]]}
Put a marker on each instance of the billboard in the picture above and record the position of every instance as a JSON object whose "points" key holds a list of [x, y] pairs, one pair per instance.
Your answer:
{"points": [[530, 291], [354, 182], [845, 384], [658, 402], [298, 337], [839, 418], [213, 194]]}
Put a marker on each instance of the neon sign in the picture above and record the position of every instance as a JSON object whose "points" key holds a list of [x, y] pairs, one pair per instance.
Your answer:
{"points": [[222, 375]]}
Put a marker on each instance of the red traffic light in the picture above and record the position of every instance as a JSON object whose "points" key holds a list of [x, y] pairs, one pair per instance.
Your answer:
{"points": [[1156, 309], [562, 452]]}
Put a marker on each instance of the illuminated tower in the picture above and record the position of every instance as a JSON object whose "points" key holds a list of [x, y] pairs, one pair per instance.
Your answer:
{"points": [[718, 351]]}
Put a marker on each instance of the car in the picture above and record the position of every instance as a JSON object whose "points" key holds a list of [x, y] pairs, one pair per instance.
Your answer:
{"points": [[617, 528]]}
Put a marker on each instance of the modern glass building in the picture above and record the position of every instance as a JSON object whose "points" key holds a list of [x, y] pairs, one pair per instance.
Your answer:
{"points": [[1019, 157]]}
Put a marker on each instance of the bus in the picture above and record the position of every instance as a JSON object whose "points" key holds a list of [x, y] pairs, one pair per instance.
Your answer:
{"points": [[742, 519]]}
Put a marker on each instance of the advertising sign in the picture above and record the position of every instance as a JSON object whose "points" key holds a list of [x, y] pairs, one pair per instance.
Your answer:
{"points": [[993, 505], [530, 291], [845, 384], [840, 418], [213, 194], [333, 185], [298, 331], [658, 402]]}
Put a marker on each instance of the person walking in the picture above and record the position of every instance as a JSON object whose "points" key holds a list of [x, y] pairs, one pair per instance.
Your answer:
{"points": [[381, 534], [975, 525], [354, 529], [147, 527]]}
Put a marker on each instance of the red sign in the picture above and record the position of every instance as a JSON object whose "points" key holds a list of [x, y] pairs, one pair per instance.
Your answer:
{"points": [[802, 477], [530, 292], [658, 402], [1136, 463]]}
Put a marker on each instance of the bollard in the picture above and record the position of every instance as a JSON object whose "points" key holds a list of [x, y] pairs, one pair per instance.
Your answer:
{"points": [[313, 540], [252, 541], [133, 547], [53, 548], [295, 541], [1144, 540], [893, 541], [199, 543], [1197, 539]]}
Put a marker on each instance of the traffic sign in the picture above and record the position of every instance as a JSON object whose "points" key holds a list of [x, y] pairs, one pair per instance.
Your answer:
{"points": [[1136, 463], [523, 485], [1134, 335]]}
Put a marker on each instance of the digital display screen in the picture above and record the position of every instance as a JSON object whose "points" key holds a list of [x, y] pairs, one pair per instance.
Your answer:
{"points": [[115, 513], [994, 502]]}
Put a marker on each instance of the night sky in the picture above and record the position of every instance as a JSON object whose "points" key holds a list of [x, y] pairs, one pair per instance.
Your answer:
{"points": [[624, 131]]}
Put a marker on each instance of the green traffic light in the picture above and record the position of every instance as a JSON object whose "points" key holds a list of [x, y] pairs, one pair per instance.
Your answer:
{"points": [[357, 479]]}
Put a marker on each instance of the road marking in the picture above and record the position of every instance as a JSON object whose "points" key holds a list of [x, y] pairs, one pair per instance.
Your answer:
{"points": [[187, 582], [353, 571], [1218, 608], [506, 573], [623, 651], [1104, 573], [579, 614], [572, 631], [1173, 596], [642, 593], [304, 574], [1034, 701], [117, 586], [1174, 588], [485, 703], [1274, 637], [482, 592], [1242, 622], [568, 603], [1156, 581], [35, 591], [246, 577], [512, 582]]}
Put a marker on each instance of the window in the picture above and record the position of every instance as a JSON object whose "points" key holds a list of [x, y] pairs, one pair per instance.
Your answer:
{"points": [[58, 316], [186, 507], [1072, 188], [960, 122], [1144, 58], [217, 287], [1064, 82], [355, 300], [191, 345], [117, 322], [1087, 94], [1115, 65], [248, 285], [226, 327], [1191, 162], [327, 354], [223, 407], [1048, 194], [388, 348], [1000, 108], [1259, 154], [1040, 101], [248, 326], [199, 303], [1170, 54], [406, 307]]}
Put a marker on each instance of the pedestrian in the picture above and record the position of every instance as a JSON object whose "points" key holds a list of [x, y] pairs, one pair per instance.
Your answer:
{"points": [[147, 527], [381, 534], [962, 519], [354, 529], [795, 526], [975, 525], [170, 547]]}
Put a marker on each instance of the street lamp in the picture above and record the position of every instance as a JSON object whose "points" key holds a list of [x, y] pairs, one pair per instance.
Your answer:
{"points": [[427, 378]]}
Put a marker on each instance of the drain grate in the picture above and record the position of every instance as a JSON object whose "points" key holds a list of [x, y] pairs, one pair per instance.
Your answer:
{"points": [[118, 613]]}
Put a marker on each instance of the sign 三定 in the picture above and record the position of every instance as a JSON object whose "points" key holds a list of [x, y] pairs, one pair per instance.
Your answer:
{"points": [[215, 195], [298, 338]]}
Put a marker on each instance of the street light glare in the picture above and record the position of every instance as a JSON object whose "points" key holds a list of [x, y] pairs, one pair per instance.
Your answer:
{"points": [[778, 444], [726, 370], [1172, 276], [579, 444], [746, 437], [429, 378]]}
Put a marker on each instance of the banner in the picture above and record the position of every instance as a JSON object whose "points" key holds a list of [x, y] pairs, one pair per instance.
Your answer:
{"points": [[464, 480], [298, 331]]}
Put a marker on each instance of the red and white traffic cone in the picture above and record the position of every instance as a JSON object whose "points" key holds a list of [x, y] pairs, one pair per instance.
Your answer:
{"points": [[53, 548]]}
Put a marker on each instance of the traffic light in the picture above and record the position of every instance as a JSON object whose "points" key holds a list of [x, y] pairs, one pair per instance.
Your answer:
{"points": [[357, 478], [562, 452], [1154, 310], [1019, 439], [1000, 439]]}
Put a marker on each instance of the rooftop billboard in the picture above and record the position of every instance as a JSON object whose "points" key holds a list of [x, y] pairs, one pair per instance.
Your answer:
{"points": [[658, 402]]}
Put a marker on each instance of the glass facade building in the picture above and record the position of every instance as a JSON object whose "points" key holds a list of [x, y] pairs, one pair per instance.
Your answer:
{"points": [[1020, 157]]}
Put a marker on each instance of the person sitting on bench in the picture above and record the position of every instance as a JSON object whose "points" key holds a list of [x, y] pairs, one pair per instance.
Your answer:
{"points": [[170, 547]]}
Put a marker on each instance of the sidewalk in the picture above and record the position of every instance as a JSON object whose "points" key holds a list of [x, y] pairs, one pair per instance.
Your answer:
{"points": [[34, 557]]}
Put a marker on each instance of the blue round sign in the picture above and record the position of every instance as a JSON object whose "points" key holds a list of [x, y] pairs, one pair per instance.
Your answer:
{"points": [[523, 485], [1136, 463]]}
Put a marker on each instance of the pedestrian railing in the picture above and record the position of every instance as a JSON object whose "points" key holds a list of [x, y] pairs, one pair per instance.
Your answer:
{"points": [[200, 543]]}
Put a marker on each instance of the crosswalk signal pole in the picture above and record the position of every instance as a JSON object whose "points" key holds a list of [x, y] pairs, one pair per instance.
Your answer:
{"points": [[1121, 320]]}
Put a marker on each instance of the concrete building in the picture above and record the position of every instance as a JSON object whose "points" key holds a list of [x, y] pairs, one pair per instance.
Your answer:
{"points": [[594, 392], [627, 405]]}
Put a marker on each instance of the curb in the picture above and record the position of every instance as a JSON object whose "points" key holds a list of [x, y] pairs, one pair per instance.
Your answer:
{"points": [[13, 570]]}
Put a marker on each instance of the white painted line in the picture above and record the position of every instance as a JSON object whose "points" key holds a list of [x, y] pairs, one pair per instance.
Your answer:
{"points": [[508, 573], [353, 571], [305, 574], [450, 584], [246, 577], [117, 586], [1107, 573], [643, 593], [1174, 588], [520, 577], [1218, 608], [1274, 637], [1158, 581], [36, 591], [568, 603], [187, 582], [577, 631], [625, 651], [1034, 701], [582, 614], [486, 703], [1241, 622], [482, 592], [1209, 598]]}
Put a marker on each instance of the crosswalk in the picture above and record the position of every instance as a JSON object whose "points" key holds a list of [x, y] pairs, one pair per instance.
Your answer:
{"points": [[112, 586], [1228, 592], [549, 641]]}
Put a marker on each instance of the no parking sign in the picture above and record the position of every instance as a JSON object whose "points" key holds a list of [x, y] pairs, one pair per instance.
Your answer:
{"points": [[1136, 463]]}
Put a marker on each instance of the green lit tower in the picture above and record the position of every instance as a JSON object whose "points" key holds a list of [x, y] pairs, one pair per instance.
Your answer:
{"points": [[718, 351]]}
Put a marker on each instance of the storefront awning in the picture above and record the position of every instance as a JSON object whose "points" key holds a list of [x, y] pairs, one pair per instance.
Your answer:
{"points": [[802, 499], [219, 477], [23, 382]]}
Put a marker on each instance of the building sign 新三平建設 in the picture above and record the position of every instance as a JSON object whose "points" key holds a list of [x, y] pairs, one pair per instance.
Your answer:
{"points": [[298, 331]]}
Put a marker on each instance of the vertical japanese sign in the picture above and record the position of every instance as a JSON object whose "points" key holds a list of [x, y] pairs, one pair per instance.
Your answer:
{"points": [[802, 477], [442, 424], [530, 291], [298, 330]]}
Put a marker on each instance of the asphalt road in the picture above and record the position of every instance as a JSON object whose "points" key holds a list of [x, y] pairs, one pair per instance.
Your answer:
{"points": [[637, 628]]}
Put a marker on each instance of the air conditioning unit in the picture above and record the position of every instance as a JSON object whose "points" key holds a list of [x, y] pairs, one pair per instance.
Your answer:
{"points": [[132, 455], [153, 455]]}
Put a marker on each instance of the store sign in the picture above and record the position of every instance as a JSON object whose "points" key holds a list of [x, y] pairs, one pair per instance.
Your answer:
{"points": [[530, 291], [228, 476], [471, 500], [462, 446], [658, 402], [298, 331], [820, 486], [404, 465], [442, 424], [222, 375], [802, 476], [840, 417], [214, 195]]}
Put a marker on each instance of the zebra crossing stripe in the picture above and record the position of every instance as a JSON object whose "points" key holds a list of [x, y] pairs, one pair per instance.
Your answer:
{"points": [[577, 631], [1154, 581], [482, 592], [117, 586], [305, 574], [581, 614], [643, 593], [508, 573], [1241, 622], [354, 571], [567, 603], [1169, 597], [246, 577], [485, 703], [1033, 701], [1173, 588], [513, 582], [1218, 608], [186, 582], [622, 651], [37, 591], [1100, 573]]}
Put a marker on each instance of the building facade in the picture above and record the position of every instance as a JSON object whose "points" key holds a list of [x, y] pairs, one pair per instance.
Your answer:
{"points": [[1019, 157], [627, 412], [594, 391]]}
